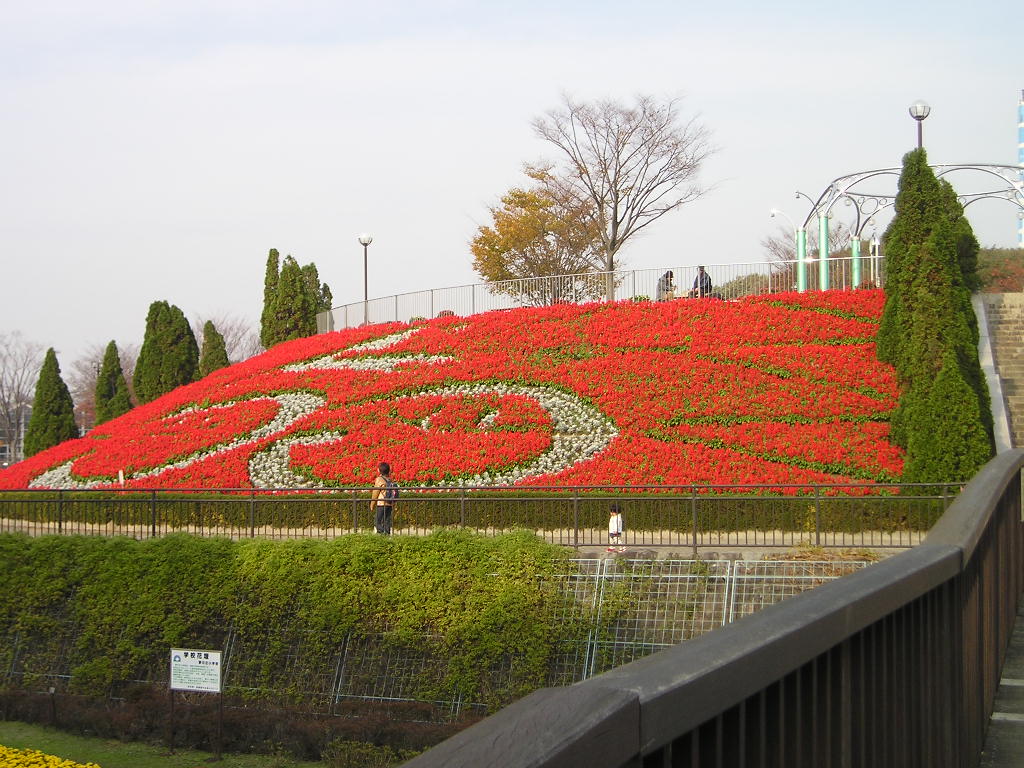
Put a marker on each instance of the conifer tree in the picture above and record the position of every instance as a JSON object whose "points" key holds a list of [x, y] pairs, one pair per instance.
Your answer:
{"points": [[169, 356], [929, 334], [918, 208], [112, 398], [180, 364], [319, 293], [293, 296], [967, 247], [146, 378], [293, 310], [268, 336], [53, 412], [214, 354], [947, 441]]}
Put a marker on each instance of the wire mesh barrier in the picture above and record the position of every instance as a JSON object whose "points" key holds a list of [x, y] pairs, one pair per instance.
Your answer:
{"points": [[679, 517], [896, 664], [756, 584], [611, 611], [729, 282]]}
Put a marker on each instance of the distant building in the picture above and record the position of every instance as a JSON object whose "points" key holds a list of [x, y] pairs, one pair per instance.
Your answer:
{"points": [[12, 436]]}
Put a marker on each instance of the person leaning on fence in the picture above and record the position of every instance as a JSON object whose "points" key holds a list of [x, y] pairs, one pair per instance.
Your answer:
{"points": [[701, 284], [383, 498], [615, 528], [666, 290]]}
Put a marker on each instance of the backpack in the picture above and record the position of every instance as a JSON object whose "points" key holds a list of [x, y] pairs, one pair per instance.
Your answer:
{"points": [[390, 491]]}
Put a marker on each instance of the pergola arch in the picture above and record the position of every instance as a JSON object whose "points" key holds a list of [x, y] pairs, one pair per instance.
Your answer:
{"points": [[868, 204]]}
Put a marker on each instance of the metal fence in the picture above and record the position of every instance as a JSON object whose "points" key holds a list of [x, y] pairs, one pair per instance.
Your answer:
{"points": [[729, 282], [895, 665], [676, 517], [622, 609]]}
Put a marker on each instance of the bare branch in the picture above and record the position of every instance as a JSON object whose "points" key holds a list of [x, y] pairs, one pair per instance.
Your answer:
{"points": [[241, 336], [633, 164], [20, 361]]}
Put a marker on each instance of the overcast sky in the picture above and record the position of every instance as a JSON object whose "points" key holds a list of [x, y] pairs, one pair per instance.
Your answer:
{"points": [[157, 149]]}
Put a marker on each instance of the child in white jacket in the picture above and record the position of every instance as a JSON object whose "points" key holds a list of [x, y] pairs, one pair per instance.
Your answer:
{"points": [[615, 528]]}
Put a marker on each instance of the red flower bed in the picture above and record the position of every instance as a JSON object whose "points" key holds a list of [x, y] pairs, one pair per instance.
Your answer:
{"points": [[773, 389]]}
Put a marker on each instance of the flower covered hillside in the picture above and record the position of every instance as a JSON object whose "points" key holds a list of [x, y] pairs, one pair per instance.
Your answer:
{"points": [[772, 389]]}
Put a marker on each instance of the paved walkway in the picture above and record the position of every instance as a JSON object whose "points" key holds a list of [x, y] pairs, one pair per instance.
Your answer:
{"points": [[1004, 744]]}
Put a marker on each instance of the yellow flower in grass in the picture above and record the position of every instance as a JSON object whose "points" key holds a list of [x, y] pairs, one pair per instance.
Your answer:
{"points": [[33, 758]]}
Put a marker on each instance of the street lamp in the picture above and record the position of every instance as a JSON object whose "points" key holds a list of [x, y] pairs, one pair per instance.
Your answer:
{"points": [[800, 194], [365, 239], [919, 110], [776, 212]]}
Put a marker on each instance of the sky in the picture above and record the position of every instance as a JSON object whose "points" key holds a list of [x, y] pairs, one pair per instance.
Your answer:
{"points": [[157, 149]]}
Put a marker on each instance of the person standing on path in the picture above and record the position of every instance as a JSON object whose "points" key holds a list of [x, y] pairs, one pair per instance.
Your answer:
{"points": [[382, 499], [615, 528]]}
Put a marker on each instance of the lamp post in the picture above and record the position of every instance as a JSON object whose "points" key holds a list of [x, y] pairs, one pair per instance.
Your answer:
{"points": [[919, 110], [875, 251], [800, 238], [807, 197], [365, 239], [802, 245]]}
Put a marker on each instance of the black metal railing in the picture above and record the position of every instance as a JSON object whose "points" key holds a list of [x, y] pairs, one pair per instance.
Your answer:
{"points": [[681, 517], [896, 665]]}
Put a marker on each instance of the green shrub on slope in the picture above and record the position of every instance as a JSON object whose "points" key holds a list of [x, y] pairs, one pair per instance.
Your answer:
{"points": [[114, 607]]}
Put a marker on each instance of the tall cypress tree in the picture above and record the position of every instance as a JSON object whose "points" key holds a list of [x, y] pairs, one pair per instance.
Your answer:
{"points": [[967, 246], [169, 356], [146, 378], [214, 354], [293, 296], [294, 310], [319, 293], [918, 209], [180, 364], [53, 412], [929, 334], [112, 398], [268, 336], [946, 438]]}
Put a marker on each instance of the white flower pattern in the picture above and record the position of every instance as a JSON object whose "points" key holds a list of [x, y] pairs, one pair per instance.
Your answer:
{"points": [[579, 429]]}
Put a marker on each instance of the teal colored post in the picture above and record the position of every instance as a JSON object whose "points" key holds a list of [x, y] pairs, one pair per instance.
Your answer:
{"points": [[801, 260], [855, 260], [823, 252]]}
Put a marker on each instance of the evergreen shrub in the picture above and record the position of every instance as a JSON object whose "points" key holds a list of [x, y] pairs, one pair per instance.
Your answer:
{"points": [[53, 411]]}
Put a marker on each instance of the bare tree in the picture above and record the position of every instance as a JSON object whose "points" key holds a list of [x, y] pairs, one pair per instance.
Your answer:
{"points": [[82, 384], [629, 165], [780, 248], [84, 373], [781, 245], [241, 336], [20, 361]]}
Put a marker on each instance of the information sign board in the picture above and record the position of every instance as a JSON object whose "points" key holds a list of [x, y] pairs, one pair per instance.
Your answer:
{"points": [[195, 670]]}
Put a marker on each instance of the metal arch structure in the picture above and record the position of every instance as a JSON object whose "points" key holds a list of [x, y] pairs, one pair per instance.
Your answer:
{"points": [[868, 204]]}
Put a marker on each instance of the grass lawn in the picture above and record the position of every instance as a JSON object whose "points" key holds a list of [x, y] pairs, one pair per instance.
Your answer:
{"points": [[109, 753]]}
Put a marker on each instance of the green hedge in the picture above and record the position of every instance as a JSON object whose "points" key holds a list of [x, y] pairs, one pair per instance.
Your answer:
{"points": [[500, 510], [107, 610]]}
